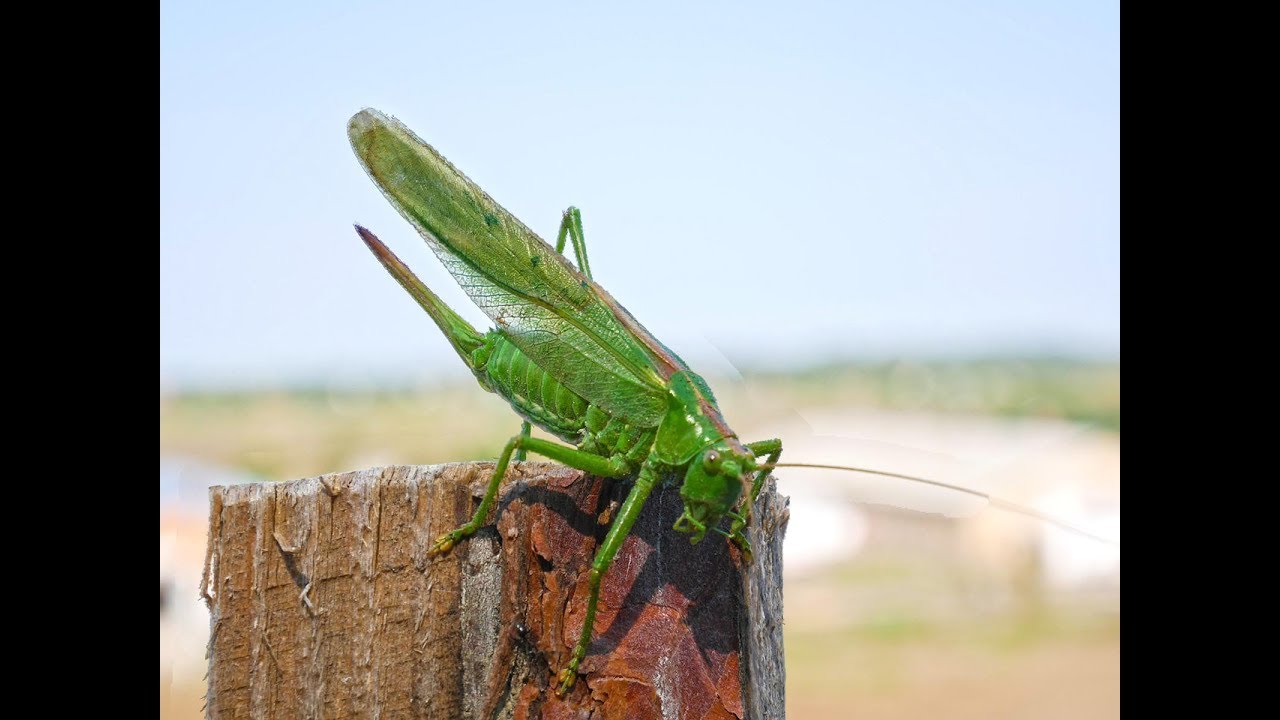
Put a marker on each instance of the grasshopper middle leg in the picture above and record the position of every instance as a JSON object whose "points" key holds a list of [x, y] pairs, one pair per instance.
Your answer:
{"points": [[613, 467], [618, 531]]}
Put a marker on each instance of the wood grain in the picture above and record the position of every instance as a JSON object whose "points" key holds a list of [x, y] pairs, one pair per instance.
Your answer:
{"points": [[324, 604]]}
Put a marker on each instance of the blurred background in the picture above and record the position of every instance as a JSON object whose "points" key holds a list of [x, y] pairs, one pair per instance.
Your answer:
{"points": [[887, 233]]}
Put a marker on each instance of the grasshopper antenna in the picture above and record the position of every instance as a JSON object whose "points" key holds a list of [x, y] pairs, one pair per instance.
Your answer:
{"points": [[993, 501]]}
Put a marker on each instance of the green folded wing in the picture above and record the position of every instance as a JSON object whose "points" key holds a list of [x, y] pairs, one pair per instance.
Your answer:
{"points": [[548, 309]]}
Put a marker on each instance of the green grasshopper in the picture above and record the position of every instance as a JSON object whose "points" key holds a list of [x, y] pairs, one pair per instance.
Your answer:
{"points": [[571, 360], [566, 356]]}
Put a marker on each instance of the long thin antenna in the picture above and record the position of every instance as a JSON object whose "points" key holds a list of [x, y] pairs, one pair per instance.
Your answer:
{"points": [[994, 501]]}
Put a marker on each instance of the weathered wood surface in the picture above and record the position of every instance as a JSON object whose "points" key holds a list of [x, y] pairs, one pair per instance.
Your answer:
{"points": [[324, 603]]}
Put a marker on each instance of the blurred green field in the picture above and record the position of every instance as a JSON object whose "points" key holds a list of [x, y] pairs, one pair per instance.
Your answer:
{"points": [[1081, 392], [922, 630], [933, 616], [309, 431]]}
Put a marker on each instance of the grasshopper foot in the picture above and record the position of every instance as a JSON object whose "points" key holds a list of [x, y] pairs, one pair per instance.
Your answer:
{"points": [[744, 546], [567, 678], [445, 543]]}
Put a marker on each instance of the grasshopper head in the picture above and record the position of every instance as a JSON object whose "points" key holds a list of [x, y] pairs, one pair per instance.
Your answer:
{"points": [[712, 486]]}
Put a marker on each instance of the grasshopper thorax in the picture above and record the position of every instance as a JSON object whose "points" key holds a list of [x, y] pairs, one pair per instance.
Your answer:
{"points": [[693, 435]]}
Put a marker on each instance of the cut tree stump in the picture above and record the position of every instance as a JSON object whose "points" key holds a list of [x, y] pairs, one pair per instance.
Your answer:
{"points": [[324, 604]]}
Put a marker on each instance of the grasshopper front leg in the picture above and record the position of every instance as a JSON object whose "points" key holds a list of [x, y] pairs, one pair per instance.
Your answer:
{"points": [[613, 467], [737, 530], [773, 448]]}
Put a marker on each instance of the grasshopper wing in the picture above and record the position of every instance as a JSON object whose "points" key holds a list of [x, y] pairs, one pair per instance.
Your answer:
{"points": [[568, 325]]}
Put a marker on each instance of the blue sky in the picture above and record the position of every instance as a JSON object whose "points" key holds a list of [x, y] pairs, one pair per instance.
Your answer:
{"points": [[760, 184]]}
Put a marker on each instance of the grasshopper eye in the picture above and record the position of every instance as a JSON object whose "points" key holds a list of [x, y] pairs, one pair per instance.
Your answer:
{"points": [[711, 461]]}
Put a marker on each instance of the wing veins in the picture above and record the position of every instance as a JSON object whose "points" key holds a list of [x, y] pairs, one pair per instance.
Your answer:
{"points": [[647, 378]]}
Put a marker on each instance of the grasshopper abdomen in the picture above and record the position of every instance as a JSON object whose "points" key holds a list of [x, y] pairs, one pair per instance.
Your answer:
{"points": [[531, 390]]}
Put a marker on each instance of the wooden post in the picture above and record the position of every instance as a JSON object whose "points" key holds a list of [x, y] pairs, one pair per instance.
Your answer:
{"points": [[324, 603]]}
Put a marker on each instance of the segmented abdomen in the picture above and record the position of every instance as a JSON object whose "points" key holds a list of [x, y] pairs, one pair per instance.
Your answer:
{"points": [[532, 392]]}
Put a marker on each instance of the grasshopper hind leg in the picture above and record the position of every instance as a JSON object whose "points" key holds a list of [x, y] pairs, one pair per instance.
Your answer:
{"points": [[571, 227], [525, 429], [604, 467]]}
